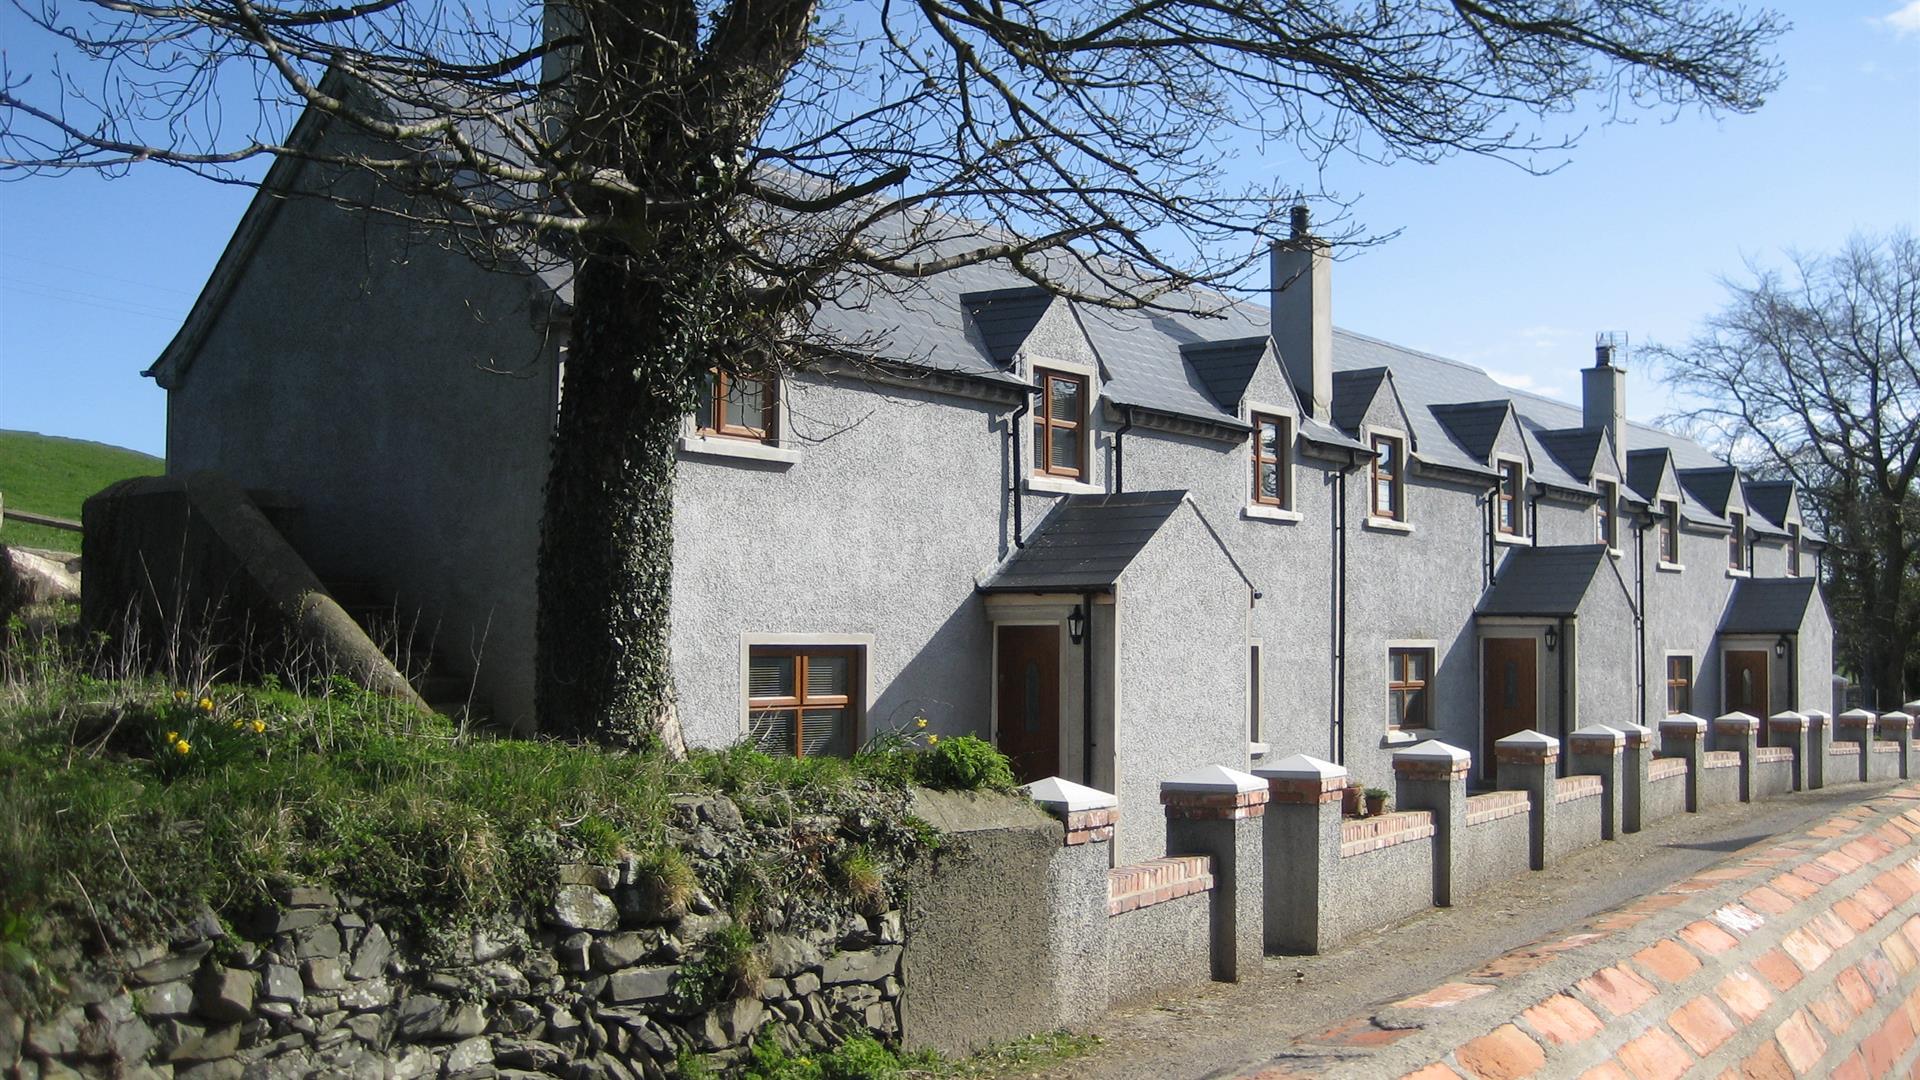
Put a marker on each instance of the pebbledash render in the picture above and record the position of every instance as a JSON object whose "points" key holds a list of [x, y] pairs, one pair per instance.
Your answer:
{"points": [[1123, 547]]}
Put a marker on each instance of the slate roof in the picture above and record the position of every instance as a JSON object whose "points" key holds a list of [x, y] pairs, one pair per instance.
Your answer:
{"points": [[1474, 425], [1004, 317], [1712, 487], [1226, 367], [1577, 450], [1353, 394], [1086, 543], [1644, 470], [1770, 498], [1544, 581], [1768, 605]]}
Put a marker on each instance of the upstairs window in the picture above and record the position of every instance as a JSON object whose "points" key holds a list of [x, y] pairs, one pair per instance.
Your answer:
{"points": [[1059, 426], [1272, 450], [1389, 467], [739, 407], [1507, 513], [1609, 498], [1679, 684], [1408, 671], [1737, 543], [1793, 551], [800, 700], [1670, 532]]}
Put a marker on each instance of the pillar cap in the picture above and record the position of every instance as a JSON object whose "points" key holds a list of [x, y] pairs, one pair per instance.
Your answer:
{"points": [[1598, 733], [1627, 727], [1213, 780], [1528, 740], [1912, 707], [1301, 767], [1736, 720], [1816, 716], [1788, 719], [1063, 796], [1433, 751], [1856, 718], [1683, 722], [1896, 717]]}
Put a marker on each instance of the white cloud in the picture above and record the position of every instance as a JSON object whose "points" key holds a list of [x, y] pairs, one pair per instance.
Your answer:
{"points": [[1904, 21]]}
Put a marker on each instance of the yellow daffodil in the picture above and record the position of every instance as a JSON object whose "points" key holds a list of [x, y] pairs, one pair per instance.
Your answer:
{"points": [[920, 722], [259, 726], [182, 696], [238, 723], [933, 740], [206, 704], [182, 746], [172, 735]]}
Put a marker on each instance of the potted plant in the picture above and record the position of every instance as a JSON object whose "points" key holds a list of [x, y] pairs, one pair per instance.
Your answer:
{"points": [[1376, 801], [1350, 800]]}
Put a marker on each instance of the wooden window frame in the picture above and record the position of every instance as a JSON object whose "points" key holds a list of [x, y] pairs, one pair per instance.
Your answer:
{"points": [[1609, 523], [1793, 550], [798, 704], [1683, 685], [1670, 533], [713, 409], [1396, 480], [1737, 542], [1282, 459], [1045, 424], [1509, 503], [1398, 681]]}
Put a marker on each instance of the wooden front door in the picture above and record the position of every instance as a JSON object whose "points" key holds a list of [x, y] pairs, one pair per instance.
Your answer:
{"points": [[1028, 699], [1746, 687], [1509, 693]]}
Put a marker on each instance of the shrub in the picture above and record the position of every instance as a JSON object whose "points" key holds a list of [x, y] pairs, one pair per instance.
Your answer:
{"points": [[859, 1058], [599, 839], [866, 886], [727, 967], [664, 877], [966, 763]]}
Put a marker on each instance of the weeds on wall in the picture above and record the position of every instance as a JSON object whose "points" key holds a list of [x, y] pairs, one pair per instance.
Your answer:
{"points": [[130, 804]]}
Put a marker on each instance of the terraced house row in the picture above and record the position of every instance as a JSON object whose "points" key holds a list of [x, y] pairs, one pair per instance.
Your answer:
{"points": [[1122, 546]]}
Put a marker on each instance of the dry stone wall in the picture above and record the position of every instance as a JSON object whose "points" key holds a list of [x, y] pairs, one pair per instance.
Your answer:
{"points": [[325, 985]]}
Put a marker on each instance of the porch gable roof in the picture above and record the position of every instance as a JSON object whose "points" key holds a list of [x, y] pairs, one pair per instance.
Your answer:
{"points": [[1768, 605], [1544, 581], [1086, 543]]}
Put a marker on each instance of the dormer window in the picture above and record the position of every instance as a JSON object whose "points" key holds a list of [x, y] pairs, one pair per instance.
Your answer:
{"points": [[1737, 543], [1389, 478], [739, 407], [1670, 532], [1059, 425], [1609, 533], [1507, 506], [1272, 451], [1793, 550]]}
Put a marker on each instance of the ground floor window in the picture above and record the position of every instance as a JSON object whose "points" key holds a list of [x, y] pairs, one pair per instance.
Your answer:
{"points": [[1253, 700], [1408, 671], [800, 699], [1679, 684]]}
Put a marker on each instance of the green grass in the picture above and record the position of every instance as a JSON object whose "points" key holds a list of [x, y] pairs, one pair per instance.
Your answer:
{"points": [[51, 475], [127, 805]]}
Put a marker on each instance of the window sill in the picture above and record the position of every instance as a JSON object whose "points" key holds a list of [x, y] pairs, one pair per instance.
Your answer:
{"points": [[1401, 737], [1670, 567], [1615, 553], [1060, 485], [1257, 512], [1512, 539], [719, 446], [1731, 572], [1387, 525], [1258, 749]]}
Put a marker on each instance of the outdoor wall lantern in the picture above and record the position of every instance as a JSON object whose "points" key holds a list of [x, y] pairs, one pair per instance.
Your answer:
{"points": [[1780, 648], [1076, 625], [1553, 639]]}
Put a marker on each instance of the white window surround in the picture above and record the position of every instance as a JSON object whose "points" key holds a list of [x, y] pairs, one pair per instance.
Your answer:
{"points": [[1037, 481], [862, 642], [1403, 523], [781, 451], [1257, 511], [1667, 506]]}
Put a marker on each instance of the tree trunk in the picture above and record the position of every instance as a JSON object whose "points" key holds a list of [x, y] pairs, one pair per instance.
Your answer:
{"points": [[606, 543]]}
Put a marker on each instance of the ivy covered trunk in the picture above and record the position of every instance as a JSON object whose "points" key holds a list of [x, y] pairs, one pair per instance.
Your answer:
{"points": [[606, 549]]}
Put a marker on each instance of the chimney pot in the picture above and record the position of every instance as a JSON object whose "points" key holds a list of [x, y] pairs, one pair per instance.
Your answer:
{"points": [[1299, 221]]}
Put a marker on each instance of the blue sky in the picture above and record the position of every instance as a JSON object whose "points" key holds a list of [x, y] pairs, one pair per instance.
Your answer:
{"points": [[1495, 267]]}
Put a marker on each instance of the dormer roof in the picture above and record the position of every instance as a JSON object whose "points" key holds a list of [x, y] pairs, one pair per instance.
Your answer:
{"points": [[1475, 426], [1004, 317], [1225, 368]]}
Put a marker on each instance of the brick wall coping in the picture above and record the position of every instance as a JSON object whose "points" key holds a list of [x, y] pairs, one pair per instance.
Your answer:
{"points": [[1881, 746], [1091, 826], [1663, 768], [1571, 788], [1843, 748], [1773, 753], [1157, 881], [1721, 759], [1494, 805], [1385, 831]]}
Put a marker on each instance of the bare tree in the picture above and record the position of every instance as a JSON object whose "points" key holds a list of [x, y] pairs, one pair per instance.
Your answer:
{"points": [[1814, 375], [713, 170]]}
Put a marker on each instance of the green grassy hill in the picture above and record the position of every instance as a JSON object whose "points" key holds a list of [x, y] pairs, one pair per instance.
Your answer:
{"points": [[50, 475]]}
